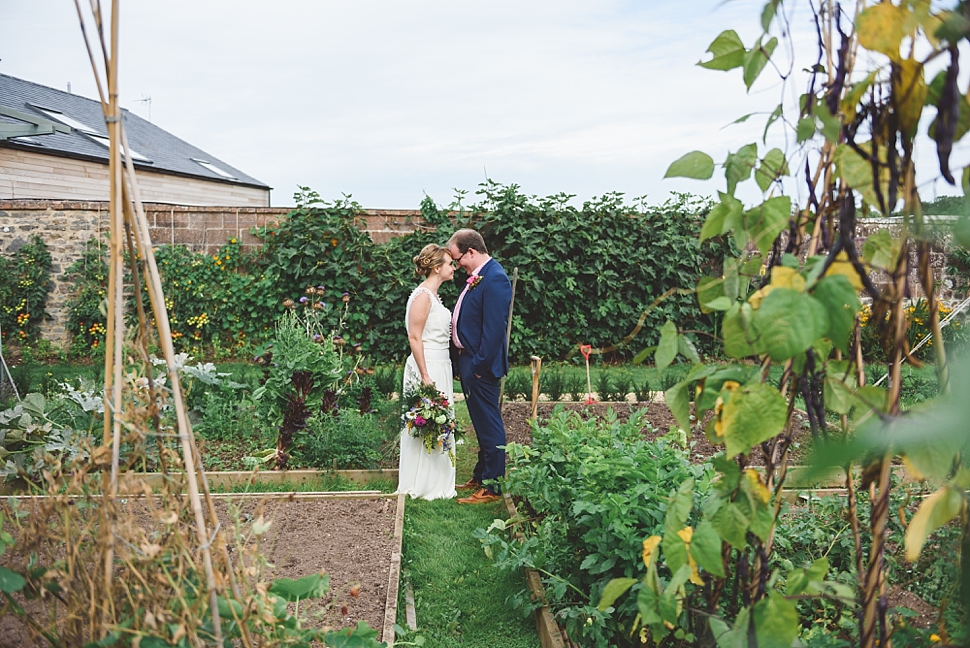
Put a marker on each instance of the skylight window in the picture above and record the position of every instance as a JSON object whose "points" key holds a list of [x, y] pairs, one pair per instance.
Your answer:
{"points": [[135, 155], [70, 121], [216, 170]]}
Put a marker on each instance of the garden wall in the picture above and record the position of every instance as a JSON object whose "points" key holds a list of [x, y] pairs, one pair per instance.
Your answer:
{"points": [[66, 226]]}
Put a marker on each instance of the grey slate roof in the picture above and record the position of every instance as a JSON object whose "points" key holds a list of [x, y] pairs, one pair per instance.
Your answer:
{"points": [[166, 152]]}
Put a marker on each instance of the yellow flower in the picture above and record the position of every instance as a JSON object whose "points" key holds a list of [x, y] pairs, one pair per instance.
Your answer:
{"points": [[935, 638]]}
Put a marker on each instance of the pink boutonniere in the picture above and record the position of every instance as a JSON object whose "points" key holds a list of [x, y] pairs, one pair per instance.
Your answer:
{"points": [[473, 281]]}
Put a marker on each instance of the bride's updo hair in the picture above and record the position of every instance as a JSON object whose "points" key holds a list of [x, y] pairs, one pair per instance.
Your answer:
{"points": [[431, 256]]}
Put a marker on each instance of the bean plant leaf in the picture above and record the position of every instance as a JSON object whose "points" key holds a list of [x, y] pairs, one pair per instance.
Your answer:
{"points": [[805, 129], [935, 511], [710, 291], [765, 222], [667, 348], [734, 328], [881, 250], [614, 590], [775, 622], [841, 303], [881, 28], [773, 166], [854, 96], [768, 13], [728, 51], [678, 401], [753, 413], [696, 164], [788, 323], [728, 637], [687, 349], [705, 547], [732, 525], [723, 217], [738, 166], [855, 172], [11, 581], [756, 59]]}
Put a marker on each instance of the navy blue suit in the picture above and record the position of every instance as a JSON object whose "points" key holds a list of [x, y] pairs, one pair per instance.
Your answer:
{"points": [[482, 321]]}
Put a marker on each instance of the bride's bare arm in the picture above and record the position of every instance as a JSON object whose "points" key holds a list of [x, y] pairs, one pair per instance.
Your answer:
{"points": [[417, 318]]}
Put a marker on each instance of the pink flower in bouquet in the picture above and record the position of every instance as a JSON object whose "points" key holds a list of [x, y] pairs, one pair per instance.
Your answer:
{"points": [[420, 421]]}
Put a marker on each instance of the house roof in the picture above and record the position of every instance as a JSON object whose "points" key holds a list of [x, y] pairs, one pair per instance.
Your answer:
{"points": [[24, 103]]}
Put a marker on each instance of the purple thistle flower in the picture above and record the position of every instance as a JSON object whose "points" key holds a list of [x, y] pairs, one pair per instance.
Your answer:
{"points": [[303, 300]]}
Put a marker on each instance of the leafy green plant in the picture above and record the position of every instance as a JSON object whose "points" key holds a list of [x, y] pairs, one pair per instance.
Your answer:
{"points": [[349, 440], [589, 492], [302, 364]]}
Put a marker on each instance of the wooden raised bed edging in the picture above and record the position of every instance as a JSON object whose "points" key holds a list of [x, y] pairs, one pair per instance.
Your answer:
{"points": [[394, 575], [550, 634]]}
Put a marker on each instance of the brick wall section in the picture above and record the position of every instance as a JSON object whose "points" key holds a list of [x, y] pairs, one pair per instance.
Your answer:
{"points": [[66, 226]]}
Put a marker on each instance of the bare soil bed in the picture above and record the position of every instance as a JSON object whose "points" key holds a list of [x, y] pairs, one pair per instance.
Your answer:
{"points": [[351, 539]]}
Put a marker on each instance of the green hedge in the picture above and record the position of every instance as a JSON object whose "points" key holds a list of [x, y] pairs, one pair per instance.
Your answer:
{"points": [[585, 274]]}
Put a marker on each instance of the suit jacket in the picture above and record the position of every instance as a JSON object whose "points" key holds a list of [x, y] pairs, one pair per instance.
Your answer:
{"points": [[483, 319]]}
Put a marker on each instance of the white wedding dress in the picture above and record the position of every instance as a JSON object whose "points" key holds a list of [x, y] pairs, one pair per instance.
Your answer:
{"points": [[422, 474]]}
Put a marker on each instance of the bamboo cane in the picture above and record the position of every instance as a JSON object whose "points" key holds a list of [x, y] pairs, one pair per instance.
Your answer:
{"points": [[115, 315], [157, 299]]}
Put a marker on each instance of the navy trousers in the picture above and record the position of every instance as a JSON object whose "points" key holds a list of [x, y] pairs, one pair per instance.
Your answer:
{"points": [[482, 399]]}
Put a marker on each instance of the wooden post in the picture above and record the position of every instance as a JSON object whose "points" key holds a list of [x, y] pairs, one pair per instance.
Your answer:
{"points": [[536, 369]]}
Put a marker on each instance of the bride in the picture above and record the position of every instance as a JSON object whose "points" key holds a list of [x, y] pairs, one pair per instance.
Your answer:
{"points": [[428, 323]]}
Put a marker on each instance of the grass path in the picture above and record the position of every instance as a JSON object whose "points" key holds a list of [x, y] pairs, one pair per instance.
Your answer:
{"points": [[459, 597]]}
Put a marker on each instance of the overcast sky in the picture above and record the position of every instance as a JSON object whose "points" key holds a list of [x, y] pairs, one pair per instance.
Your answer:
{"points": [[389, 100]]}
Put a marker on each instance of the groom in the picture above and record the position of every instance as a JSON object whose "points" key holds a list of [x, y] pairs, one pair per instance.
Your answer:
{"points": [[480, 358]]}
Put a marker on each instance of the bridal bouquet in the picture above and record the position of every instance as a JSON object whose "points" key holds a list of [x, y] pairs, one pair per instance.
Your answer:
{"points": [[429, 417]]}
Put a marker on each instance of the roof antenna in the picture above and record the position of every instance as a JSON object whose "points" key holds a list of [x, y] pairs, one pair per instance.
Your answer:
{"points": [[69, 88], [146, 99]]}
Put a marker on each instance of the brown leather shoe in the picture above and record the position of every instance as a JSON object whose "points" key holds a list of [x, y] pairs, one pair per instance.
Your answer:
{"points": [[481, 496], [471, 484]]}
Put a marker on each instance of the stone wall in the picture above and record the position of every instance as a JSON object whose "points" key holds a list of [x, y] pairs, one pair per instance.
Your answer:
{"points": [[65, 227]]}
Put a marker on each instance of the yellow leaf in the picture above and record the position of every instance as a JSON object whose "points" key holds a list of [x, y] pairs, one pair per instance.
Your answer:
{"points": [[910, 90], [935, 511], [912, 470], [844, 267], [759, 295], [648, 547], [695, 576], [758, 487], [881, 28], [785, 277], [686, 534]]}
